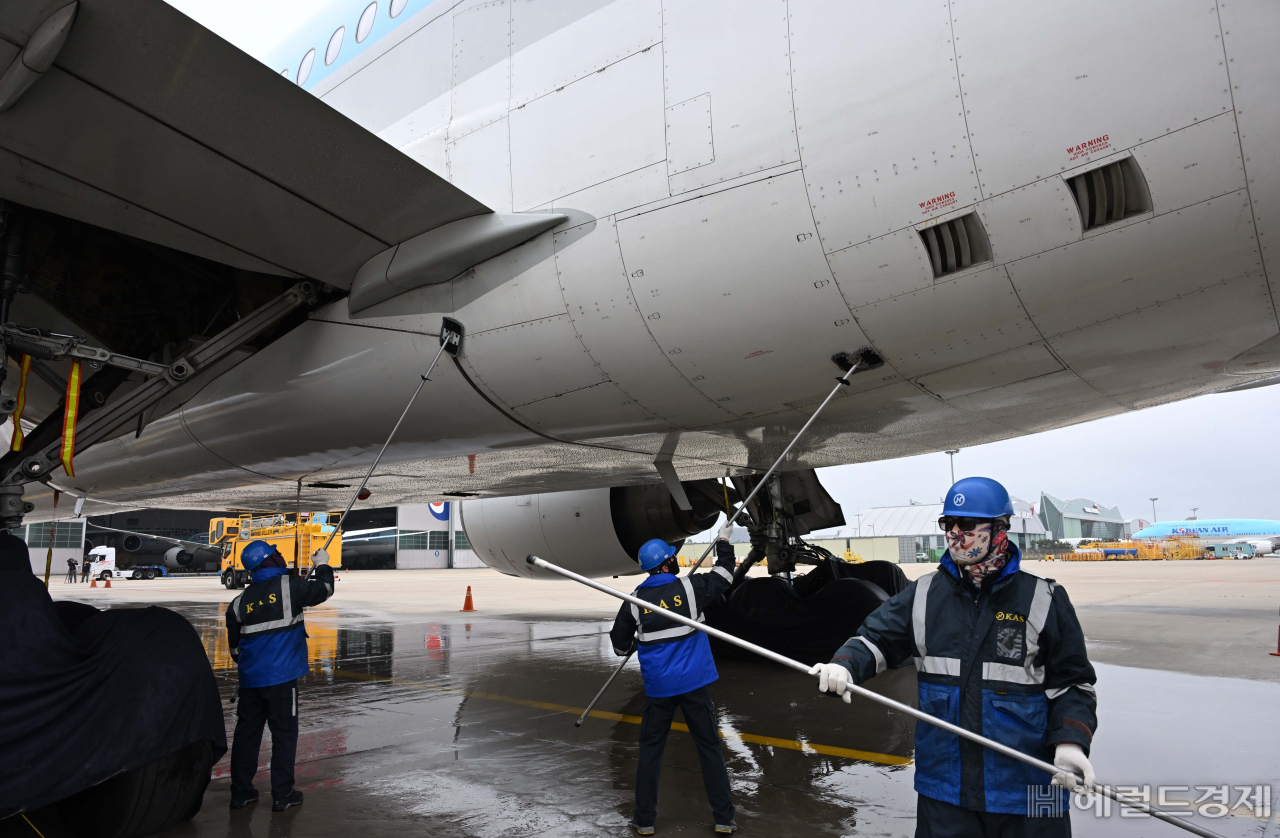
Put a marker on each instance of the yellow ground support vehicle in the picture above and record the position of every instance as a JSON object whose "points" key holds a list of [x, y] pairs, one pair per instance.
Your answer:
{"points": [[296, 536]]}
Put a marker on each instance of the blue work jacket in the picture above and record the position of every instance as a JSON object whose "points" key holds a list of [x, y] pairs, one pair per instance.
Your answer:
{"points": [[1006, 660], [265, 630], [674, 658]]}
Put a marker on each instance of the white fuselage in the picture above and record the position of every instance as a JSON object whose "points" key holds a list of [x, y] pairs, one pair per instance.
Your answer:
{"points": [[747, 183]]}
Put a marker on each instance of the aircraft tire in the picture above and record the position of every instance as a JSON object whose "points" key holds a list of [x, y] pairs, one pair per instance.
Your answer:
{"points": [[143, 801]]}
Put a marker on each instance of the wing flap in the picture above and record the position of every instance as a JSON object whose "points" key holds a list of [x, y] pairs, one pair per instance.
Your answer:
{"points": [[150, 108]]}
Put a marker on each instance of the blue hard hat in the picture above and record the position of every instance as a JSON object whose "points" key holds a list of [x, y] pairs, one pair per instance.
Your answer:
{"points": [[977, 497], [255, 554], [654, 552]]}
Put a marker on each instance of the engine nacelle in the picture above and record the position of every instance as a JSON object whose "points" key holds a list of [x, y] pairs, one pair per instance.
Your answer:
{"points": [[594, 532], [176, 558]]}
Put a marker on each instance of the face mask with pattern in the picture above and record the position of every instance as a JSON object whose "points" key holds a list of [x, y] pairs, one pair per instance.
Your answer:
{"points": [[969, 546]]}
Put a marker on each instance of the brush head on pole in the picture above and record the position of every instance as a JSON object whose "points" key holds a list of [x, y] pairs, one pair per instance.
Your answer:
{"points": [[866, 358]]}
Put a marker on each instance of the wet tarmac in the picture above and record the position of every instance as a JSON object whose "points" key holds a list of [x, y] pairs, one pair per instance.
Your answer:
{"points": [[419, 720], [464, 727]]}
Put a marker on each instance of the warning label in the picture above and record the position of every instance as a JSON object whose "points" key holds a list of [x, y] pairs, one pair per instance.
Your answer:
{"points": [[935, 204], [1093, 146]]}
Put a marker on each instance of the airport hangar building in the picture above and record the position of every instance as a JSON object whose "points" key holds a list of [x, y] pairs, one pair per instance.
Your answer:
{"points": [[383, 538]]}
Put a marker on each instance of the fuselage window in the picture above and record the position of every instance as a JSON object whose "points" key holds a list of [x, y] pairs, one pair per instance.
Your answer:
{"points": [[304, 69], [397, 6], [335, 45], [367, 17]]}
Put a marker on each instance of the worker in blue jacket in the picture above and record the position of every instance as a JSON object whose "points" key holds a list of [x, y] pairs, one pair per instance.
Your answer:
{"points": [[997, 651], [677, 668], [269, 645]]}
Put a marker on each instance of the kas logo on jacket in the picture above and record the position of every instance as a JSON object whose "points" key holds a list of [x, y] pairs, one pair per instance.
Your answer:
{"points": [[439, 511]]}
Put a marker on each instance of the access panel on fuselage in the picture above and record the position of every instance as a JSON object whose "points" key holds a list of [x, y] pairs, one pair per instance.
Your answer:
{"points": [[1048, 86], [882, 133], [735, 289]]}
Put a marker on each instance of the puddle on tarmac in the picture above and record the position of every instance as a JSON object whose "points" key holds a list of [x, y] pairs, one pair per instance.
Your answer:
{"points": [[465, 727]]}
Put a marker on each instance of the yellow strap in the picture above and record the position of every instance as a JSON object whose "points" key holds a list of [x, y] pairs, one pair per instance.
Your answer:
{"points": [[70, 410], [15, 444]]}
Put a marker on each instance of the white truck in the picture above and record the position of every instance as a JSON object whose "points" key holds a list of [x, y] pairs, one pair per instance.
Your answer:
{"points": [[102, 565]]}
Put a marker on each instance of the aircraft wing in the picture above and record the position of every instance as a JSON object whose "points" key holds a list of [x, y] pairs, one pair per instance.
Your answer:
{"points": [[190, 545], [149, 124]]}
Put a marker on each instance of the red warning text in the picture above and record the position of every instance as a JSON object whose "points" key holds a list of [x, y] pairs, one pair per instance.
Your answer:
{"points": [[1075, 152], [935, 204]]}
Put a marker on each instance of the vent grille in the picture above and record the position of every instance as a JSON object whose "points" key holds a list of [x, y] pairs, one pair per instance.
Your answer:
{"points": [[1109, 194], [956, 244]]}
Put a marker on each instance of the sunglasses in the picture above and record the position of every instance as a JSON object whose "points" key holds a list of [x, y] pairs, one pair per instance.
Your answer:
{"points": [[949, 522]]}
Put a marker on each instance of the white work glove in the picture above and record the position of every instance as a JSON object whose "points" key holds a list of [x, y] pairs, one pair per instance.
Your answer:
{"points": [[1071, 759], [833, 678], [725, 532], [320, 557]]}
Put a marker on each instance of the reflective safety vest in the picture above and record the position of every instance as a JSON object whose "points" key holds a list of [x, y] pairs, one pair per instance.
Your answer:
{"points": [[674, 658], [1007, 661], [265, 626]]}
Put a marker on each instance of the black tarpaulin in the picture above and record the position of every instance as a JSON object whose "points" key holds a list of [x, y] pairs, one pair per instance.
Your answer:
{"points": [[808, 620], [127, 687]]}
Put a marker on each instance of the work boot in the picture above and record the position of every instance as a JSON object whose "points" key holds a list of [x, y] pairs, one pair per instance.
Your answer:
{"points": [[641, 830], [727, 828], [293, 798], [240, 803]]}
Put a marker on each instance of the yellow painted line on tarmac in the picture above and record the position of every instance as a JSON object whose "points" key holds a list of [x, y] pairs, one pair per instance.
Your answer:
{"points": [[773, 742]]}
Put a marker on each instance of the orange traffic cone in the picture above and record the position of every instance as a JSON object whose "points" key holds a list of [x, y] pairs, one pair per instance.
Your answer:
{"points": [[1275, 654], [106, 582], [467, 604], [93, 582]]}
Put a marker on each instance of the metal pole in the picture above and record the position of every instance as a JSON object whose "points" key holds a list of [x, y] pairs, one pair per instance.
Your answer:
{"points": [[951, 455], [768, 654], [590, 706], [1154, 519], [843, 381], [426, 376], [448, 556]]}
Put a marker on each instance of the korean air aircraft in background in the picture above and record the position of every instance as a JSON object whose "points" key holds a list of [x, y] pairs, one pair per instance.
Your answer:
{"points": [[657, 220], [1264, 535]]}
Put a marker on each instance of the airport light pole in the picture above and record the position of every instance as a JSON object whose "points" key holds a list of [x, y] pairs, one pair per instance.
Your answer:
{"points": [[1154, 519], [1194, 510], [951, 455]]}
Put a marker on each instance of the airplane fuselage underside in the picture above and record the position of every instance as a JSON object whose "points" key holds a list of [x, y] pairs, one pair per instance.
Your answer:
{"points": [[1038, 214]]}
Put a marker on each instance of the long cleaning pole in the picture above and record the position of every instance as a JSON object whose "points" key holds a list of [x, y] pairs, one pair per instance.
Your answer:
{"points": [[1012, 753], [842, 381], [587, 712], [448, 340]]}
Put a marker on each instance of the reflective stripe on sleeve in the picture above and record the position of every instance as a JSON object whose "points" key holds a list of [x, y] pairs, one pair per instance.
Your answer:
{"points": [[1057, 691], [728, 577], [934, 665], [918, 605], [881, 664]]}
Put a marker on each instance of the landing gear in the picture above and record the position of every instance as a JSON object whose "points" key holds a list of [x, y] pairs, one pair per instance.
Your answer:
{"points": [[806, 617]]}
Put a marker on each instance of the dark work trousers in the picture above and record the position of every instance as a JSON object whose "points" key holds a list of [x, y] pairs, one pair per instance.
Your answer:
{"points": [[700, 715], [935, 819], [277, 707]]}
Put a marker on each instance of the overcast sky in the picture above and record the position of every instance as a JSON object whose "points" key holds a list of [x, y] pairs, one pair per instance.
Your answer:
{"points": [[1218, 453]]}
